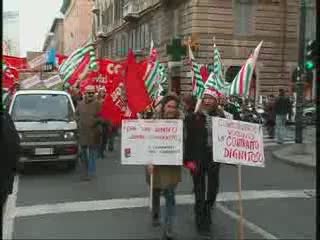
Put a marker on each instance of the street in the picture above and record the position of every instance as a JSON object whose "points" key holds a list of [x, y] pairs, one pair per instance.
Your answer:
{"points": [[278, 202]]}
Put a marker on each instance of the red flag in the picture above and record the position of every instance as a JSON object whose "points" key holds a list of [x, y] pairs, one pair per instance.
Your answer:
{"points": [[89, 80], [82, 66], [60, 58], [138, 97], [115, 106], [16, 62]]}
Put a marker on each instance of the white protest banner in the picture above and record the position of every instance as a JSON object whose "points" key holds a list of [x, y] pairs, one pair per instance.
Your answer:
{"points": [[147, 141], [54, 80], [236, 142], [30, 82], [40, 60]]}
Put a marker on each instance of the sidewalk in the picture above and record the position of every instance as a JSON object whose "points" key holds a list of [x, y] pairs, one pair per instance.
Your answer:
{"points": [[299, 154]]}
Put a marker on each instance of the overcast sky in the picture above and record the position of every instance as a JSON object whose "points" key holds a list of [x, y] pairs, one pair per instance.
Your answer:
{"points": [[36, 17]]}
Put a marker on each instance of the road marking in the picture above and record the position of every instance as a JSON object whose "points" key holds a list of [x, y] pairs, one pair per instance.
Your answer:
{"points": [[10, 211], [253, 227], [127, 203]]}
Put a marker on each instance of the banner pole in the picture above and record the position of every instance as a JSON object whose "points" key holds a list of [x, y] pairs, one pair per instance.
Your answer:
{"points": [[151, 192], [241, 237]]}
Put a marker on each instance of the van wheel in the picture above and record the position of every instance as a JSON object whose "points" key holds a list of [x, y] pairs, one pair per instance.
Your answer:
{"points": [[71, 165]]}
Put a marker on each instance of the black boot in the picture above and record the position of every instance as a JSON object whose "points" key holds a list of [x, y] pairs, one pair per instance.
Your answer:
{"points": [[155, 220]]}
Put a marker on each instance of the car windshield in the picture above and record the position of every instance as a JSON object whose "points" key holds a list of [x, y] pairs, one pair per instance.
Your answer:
{"points": [[42, 107]]}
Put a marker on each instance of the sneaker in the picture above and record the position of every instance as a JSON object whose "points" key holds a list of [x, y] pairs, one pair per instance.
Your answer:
{"points": [[155, 221], [168, 233]]}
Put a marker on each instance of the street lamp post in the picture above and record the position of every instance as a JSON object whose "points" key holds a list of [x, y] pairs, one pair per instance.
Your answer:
{"points": [[300, 73]]}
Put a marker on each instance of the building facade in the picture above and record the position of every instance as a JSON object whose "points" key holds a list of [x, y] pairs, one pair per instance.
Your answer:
{"points": [[236, 25], [11, 33], [77, 27], [55, 38]]}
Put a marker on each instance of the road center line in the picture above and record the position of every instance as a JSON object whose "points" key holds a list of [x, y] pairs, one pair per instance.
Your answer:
{"points": [[253, 227], [123, 203]]}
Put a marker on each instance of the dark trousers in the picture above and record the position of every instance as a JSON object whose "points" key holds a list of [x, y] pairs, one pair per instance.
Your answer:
{"points": [[271, 128], [104, 140], [206, 192], [156, 193]]}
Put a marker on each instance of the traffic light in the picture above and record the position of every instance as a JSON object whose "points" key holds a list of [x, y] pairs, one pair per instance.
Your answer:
{"points": [[310, 55]]}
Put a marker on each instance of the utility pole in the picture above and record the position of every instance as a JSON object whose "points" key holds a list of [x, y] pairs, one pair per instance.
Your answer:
{"points": [[300, 74]]}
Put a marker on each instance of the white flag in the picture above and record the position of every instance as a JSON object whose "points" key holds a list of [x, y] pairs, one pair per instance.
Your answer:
{"points": [[30, 82], [40, 60], [54, 80]]}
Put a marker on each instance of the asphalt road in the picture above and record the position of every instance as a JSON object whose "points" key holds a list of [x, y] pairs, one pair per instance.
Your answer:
{"points": [[53, 203]]}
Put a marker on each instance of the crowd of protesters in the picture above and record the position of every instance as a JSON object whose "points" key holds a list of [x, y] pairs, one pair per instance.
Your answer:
{"points": [[96, 136]]}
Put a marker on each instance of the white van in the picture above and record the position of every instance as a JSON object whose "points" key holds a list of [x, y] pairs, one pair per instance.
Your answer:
{"points": [[46, 124]]}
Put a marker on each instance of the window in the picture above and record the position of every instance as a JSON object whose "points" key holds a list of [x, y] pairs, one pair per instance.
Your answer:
{"points": [[243, 17], [116, 46], [133, 34], [41, 107], [138, 42], [142, 36], [147, 36], [310, 33]]}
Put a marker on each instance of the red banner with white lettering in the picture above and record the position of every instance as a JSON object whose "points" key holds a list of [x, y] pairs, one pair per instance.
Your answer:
{"points": [[115, 106]]}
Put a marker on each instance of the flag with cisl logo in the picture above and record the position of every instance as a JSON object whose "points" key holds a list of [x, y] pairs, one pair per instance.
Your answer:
{"points": [[115, 106], [236, 142]]}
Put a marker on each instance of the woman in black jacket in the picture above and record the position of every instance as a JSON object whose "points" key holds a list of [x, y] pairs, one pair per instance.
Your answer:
{"points": [[198, 150]]}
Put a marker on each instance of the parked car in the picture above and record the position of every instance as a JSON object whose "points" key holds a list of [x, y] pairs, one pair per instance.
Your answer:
{"points": [[309, 115], [46, 125]]}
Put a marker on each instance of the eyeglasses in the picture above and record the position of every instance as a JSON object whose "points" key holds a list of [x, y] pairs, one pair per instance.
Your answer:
{"points": [[90, 93]]}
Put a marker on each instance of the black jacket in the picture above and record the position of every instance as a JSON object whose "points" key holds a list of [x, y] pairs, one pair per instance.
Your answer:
{"points": [[10, 149], [282, 105], [196, 140]]}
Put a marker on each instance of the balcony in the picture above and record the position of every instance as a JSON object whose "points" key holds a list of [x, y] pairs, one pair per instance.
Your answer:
{"points": [[104, 30], [132, 10]]}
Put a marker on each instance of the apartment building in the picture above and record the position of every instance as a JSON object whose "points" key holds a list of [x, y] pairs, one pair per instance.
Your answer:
{"points": [[236, 25]]}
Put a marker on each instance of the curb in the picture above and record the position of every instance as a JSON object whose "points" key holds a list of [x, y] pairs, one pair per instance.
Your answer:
{"points": [[299, 164]]}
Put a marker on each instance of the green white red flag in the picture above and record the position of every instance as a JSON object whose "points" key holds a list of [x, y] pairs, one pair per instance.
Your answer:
{"points": [[69, 65], [155, 78], [240, 86], [197, 82]]}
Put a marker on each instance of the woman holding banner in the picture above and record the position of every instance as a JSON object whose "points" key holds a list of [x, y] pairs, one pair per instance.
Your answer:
{"points": [[165, 178], [198, 158]]}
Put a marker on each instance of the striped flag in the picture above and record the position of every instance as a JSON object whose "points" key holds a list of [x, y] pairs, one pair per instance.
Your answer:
{"points": [[156, 76], [52, 81], [197, 83], [69, 65], [240, 86], [216, 78], [30, 82], [218, 71]]}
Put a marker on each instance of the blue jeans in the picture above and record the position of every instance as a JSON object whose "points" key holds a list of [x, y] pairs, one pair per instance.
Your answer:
{"points": [[88, 156], [170, 205], [281, 127]]}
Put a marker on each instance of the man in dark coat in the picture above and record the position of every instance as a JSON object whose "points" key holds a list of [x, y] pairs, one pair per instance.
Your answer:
{"points": [[271, 120], [282, 109], [89, 132], [9, 155], [198, 149]]}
